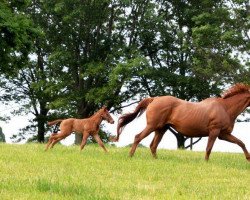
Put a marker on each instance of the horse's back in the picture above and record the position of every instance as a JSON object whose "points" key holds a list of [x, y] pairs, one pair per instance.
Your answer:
{"points": [[162, 102], [68, 121]]}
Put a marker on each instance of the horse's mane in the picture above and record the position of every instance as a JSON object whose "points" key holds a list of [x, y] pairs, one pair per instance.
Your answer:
{"points": [[238, 88]]}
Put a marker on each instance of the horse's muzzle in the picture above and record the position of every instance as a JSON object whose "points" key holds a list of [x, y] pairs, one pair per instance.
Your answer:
{"points": [[111, 121]]}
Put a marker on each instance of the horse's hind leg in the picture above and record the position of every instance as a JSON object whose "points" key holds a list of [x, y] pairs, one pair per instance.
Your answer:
{"points": [[156, 140], [233, 139], [51, 138], [56, 138], [55, 141], [211, 139], [138, 138]]}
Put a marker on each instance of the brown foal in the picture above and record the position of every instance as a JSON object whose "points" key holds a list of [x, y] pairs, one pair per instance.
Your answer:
{"points": [[88, 127], [212, 117]]}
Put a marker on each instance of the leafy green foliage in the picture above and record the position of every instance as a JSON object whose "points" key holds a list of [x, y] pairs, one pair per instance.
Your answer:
{"points": [[16, 32]]}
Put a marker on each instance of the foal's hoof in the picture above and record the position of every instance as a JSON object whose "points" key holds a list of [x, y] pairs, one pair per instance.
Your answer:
{"points": [[113, 139], [154, 156], [131, 155]]}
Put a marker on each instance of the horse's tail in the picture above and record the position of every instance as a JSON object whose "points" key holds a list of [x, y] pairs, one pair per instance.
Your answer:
{"points": [[54, 122], [127, 118]]}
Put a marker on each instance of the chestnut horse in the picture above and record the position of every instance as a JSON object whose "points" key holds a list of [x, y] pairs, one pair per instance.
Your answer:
{"points": [[88, 126], [212, 117]]}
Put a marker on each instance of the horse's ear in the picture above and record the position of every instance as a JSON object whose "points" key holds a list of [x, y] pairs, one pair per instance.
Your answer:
{"points": [[104, 107]]}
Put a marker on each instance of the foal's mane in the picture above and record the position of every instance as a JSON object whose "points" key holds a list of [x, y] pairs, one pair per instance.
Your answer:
{"points": [[238, 88]]}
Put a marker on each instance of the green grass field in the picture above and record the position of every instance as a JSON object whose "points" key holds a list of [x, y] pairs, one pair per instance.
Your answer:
{"points": [[27, 172]]}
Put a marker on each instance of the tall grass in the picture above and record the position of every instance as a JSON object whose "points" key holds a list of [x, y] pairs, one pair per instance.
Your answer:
{"points": [[28, 172]]}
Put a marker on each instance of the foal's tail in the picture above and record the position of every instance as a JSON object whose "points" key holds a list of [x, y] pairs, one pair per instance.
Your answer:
{"points": [[54, 122], [127, 118]]}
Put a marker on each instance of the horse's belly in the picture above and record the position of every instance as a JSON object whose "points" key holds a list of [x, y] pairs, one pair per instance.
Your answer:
{"points": [[78, 129], [191, 130], [190, 122]]}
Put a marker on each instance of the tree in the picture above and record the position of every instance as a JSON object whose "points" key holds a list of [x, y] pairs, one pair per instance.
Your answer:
{"points": [[115, 51], [75, 69], [25, 82], [90, 55]]}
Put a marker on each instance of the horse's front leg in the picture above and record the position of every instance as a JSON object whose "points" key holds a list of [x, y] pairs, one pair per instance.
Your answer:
{"points": [[99, 141], [85, 136]]}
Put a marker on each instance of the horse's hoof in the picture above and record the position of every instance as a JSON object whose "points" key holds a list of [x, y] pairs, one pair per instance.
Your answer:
{"points": [[113, 139]]}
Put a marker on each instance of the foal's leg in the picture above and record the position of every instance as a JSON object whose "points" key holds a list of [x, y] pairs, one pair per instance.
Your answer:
{"points": [[138, 138], [99, 141], [211, 139], [156, 140], [50, 141], [233, 139], [58, 137], [85, 136], [55, 141]]}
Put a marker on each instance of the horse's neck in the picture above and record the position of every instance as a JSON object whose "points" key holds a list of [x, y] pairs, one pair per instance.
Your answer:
{"points": [[236, 104], [97, 118]]}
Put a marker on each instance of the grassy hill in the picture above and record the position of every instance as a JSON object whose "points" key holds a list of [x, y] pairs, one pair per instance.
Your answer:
{"points": [[27, 172]]}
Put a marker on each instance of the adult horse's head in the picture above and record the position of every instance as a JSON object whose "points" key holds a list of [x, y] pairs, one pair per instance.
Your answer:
{"points": [[241, 89], [236, 99], [106, 115]]}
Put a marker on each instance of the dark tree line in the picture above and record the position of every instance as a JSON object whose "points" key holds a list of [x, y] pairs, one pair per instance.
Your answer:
{"points": [[62, 58]]}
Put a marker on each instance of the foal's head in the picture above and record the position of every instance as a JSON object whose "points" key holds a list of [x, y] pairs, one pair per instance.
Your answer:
{"points": [[106, 116]]}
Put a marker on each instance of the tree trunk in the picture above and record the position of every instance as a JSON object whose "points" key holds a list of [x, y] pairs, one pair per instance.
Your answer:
{"points": [[41, 120], [2, 136], [41, 131], [180, 141]]}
